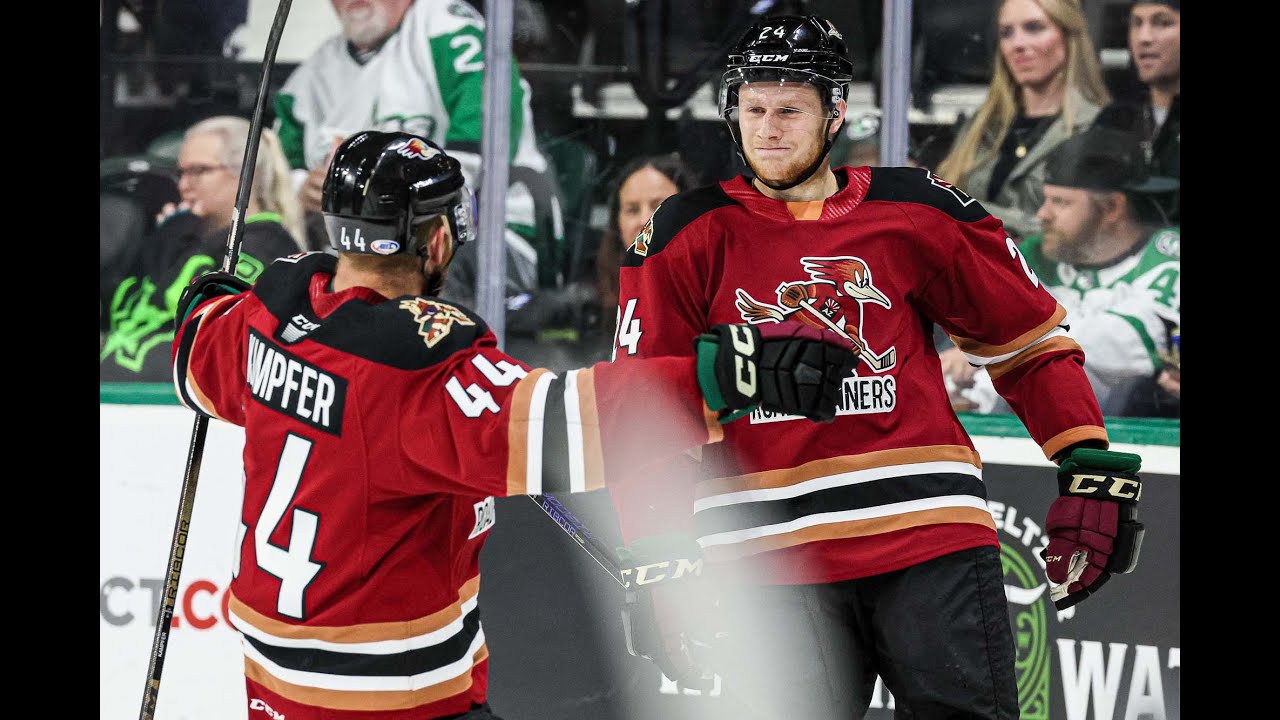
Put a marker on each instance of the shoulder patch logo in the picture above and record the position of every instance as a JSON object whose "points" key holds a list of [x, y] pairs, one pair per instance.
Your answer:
{"points": [[435, 319], [959, 194], [641, 244]]}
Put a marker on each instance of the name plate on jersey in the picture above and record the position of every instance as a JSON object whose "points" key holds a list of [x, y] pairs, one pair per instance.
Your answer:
{"points": [[284, 382], [862, 396]]}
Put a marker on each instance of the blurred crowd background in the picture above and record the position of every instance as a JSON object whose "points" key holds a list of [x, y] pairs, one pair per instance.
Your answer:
{"points": [[614, 109]]}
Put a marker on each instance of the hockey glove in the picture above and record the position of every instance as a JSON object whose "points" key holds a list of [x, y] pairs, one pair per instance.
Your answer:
{"points": [[1093, 526], [665, 605], [206, 287], [786, 367]]}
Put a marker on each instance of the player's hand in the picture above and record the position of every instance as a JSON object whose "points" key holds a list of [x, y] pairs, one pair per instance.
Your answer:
{"points": [[667, 609], [786, 367], [206, 287], [1093, 526]]}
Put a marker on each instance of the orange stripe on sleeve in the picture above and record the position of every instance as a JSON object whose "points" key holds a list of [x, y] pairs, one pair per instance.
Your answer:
{"points": [[1051, 345], [1067, 437], [518, 433], [592, 447], [973, 347]]}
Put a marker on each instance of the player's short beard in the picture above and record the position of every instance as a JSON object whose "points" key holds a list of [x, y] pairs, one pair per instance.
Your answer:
{"points": [[366, 27], [799, 167]]}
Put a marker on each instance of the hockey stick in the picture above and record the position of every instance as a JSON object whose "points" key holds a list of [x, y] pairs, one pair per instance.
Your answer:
{"points": [[186, 500], [878, 363], [575, 529]]}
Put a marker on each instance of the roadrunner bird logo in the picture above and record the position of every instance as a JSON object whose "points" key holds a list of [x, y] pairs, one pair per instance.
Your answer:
{"points": [[435, 319], [831, 299]]}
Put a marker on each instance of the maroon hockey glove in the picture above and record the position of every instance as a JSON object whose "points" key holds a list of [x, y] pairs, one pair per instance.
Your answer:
{"points": [[1093, 526], [786, 367], [665, 607], [206, 287]]}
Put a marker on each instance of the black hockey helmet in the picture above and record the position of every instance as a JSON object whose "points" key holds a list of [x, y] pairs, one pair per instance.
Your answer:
{"points": [[788, 49], [382, 185]]}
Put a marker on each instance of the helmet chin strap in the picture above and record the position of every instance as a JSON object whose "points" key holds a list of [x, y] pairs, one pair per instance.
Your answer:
{"points": [[809, 171]]}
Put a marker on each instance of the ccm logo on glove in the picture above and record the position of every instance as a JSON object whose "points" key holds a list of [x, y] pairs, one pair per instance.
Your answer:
{"points": [[660, 571], [744, 344], [1120, 489]]}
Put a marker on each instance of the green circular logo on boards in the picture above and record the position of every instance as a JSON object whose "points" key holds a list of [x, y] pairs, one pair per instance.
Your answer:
{"points": [[1027, 592]]}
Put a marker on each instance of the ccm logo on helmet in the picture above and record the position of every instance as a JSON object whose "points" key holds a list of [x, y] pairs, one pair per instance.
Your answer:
{"points": [[767, 58]]}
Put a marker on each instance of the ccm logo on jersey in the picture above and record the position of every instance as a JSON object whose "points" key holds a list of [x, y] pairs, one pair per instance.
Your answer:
{"points": [[284, 382]]}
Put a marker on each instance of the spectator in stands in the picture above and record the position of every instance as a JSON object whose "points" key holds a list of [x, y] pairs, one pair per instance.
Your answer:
{"points": [[640, 187], [190, 238], [1155, 111], [415, 66], [1046, 86], [1106, 256]]}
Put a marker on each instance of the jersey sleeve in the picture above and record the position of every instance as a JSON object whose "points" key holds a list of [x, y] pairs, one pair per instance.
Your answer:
{"points": [[662, 307], [208, 356], [513, 430], [998, 313]]}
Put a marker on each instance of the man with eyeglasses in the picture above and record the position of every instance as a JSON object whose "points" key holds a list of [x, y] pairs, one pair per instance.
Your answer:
{"points": [[838, 553], [191, 237]]}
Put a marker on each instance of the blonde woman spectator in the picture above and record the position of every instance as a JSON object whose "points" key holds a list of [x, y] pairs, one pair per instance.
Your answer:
{"points": [[191, 238], [1046, 86]]}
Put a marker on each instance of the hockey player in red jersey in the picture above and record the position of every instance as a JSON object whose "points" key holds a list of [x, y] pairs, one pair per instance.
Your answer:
{"points": [[866, 544], [380, 422]]}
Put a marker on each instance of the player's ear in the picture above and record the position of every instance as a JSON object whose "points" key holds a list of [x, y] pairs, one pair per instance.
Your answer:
{"points": [[439, 248]]}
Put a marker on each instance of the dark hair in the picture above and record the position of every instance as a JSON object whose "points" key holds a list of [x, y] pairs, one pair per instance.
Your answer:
{"points": [[609, 251], [669, 164]]}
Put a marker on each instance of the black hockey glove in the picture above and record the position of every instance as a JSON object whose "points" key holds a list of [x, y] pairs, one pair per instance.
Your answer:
{"points": [[665, 606], [206, 287], [1093, 526], [786, 367]]}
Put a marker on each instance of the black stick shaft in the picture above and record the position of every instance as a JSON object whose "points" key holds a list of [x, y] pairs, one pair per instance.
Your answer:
{"points": [[186, 503], [574, 528]]}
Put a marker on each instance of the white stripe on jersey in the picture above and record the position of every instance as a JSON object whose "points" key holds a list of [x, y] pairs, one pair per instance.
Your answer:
{"points": [[379, 647], [401, 683], [839, 480], [573, 422], [537, 413], [933, 503], [979, 361]]}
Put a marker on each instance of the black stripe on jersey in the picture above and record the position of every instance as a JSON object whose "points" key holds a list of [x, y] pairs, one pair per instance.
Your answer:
{"points": [[920, 185], [383, 333], [555, 440], [409, 662], [740, 516], [676, 213]]}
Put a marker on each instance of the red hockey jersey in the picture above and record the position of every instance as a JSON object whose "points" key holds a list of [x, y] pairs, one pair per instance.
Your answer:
{"points": [[377, 433], [895, 480]]}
